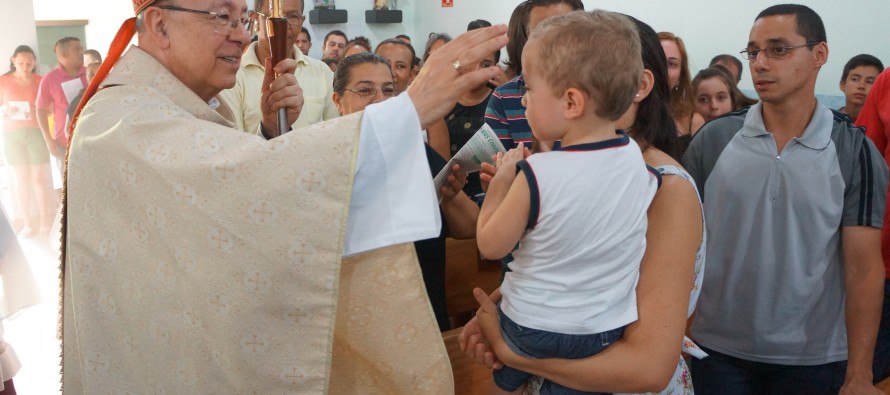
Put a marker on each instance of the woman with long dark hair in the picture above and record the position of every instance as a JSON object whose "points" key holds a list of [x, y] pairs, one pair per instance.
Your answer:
{"points": [[517, 32], [647, 358]]}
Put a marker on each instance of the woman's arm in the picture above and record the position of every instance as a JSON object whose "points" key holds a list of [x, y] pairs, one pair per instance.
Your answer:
{"points": [[646, 356], [439, 138], [460, 215], [458, 211]]}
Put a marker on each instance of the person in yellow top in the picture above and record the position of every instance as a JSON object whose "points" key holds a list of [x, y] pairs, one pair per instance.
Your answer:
{"points": [[314, 77]]}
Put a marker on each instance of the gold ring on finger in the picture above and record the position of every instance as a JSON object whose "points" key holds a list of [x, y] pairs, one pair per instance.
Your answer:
{"points": [[457, 65]]}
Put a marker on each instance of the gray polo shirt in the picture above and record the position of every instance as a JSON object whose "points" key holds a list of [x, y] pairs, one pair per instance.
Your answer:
{"points": [[774, 288]]}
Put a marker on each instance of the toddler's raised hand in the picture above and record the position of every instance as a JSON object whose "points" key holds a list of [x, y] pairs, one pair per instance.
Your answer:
{"points": [[507, 162]]}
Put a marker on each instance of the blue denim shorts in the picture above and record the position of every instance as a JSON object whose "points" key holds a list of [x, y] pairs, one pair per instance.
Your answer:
{"points": [[534, 343]]}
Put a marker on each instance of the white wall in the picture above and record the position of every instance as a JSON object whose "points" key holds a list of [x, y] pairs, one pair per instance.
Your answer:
{"points": [[104, 16], [708, 27], [16, 28], [356, 25]]}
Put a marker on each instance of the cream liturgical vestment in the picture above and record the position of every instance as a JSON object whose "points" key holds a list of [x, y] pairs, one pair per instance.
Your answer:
{"points": [[204, 260]]}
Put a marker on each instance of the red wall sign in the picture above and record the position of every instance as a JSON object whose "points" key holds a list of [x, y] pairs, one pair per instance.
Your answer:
{"points": [[447, 3]]}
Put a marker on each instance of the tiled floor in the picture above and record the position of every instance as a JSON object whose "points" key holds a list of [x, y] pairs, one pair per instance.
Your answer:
{"points": [[32, 333]]}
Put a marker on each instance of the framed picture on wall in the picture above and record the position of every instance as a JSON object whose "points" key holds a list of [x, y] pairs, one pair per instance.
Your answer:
{"points": [[447, 3]]}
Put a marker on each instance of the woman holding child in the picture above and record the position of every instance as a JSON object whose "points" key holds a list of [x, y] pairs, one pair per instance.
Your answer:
{"points": [[669, 270]]}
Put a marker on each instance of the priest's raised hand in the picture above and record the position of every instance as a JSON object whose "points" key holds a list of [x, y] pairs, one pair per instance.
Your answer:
{"points": [[444, 78]]}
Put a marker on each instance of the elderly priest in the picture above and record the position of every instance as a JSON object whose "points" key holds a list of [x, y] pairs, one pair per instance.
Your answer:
{"points": [[200, 259]]}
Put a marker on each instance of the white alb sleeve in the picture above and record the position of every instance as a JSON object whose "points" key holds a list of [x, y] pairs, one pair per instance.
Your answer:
{"points": [[393, 198]]}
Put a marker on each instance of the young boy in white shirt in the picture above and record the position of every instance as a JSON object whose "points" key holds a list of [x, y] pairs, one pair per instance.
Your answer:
{"points": [[578, 213]]}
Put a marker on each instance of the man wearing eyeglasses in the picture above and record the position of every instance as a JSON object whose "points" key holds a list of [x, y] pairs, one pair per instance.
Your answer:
{"points": [[794, 200], [198, 259], [313, 76]]}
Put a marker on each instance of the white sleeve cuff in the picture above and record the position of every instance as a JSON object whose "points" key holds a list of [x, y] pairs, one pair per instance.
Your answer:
{"points": [[393, 198]]}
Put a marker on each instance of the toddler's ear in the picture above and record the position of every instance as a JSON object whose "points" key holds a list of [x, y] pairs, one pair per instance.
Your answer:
{"points": [[574, 103]]}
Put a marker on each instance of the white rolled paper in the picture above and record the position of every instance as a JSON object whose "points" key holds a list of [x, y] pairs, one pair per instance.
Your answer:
{"points": [[470, 157]]}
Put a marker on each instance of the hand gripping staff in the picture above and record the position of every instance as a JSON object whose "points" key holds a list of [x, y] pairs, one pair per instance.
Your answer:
{"points": [[277, 29]]}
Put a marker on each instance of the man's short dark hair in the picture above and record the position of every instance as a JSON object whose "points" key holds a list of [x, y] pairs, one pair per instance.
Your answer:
{"points": [[575, 4], [258, 4], [444, 37], [861, 60], [334, 33], [308, 36], [396, 41], [728, 58], [402, 36], [809, 24], [360, 41], [94, 53], [65, 40], [478, 24]]}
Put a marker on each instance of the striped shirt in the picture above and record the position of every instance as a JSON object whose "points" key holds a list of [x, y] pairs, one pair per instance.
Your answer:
{"points": [[506, 114]]}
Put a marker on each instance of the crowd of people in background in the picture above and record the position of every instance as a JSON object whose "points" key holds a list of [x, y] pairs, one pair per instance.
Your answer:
{"points": [[35, 111], [764, 212]]}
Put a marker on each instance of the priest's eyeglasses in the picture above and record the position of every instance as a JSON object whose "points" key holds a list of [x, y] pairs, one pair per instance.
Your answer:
{"points": [[368, 92], [294, 20], [772, 51], [223, 23]]}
